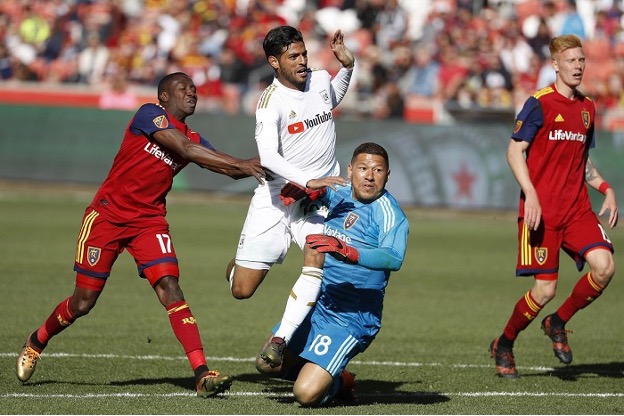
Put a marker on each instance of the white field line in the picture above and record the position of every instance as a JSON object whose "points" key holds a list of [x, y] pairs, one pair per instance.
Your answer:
{"points": [[252, 359], [269, 394]]}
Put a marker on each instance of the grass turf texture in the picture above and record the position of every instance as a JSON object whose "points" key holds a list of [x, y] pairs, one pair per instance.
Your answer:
{"points": [[452, 297]]}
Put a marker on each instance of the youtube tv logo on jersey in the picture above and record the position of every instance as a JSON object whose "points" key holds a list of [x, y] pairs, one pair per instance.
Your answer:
{"points": [[295, 128]]}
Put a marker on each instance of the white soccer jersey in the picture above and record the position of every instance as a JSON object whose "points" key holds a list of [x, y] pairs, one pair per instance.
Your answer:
{"points": [[295, 130], [296, 140]]}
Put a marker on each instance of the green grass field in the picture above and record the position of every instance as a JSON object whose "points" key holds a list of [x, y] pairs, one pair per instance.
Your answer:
{"points": [[451, 298]]}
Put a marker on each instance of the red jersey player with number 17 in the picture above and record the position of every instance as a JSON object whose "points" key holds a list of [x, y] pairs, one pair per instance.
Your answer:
{"points": [[555, 129], [128, 213]]}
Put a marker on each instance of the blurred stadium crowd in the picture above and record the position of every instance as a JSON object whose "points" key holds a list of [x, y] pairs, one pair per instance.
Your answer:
{"points": [[413, 55]]}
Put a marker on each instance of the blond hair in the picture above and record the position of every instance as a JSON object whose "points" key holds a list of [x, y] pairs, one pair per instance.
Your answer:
{"points": [[561, 43]]}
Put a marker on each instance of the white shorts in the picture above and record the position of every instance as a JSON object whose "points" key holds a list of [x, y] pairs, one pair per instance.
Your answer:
{"points": [[271, 227]]}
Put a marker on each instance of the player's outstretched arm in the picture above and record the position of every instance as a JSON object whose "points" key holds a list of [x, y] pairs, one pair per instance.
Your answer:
{"points": [[340, 50], [327, 181], [244, 168], [213, 160]]}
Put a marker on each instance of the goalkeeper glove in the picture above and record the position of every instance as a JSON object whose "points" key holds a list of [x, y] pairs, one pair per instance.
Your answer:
{"points": [[292, 193], [328, 244]]}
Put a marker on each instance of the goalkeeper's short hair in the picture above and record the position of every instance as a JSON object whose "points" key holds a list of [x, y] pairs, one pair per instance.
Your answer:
{"points": [[371, 149]]}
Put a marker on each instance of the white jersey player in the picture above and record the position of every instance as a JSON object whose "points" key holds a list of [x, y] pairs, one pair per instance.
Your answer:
{"points": [[296, 138]]}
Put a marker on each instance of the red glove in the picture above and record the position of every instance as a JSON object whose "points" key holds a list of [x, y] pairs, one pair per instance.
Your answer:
{"points": [[291, 193], [327, 244]]}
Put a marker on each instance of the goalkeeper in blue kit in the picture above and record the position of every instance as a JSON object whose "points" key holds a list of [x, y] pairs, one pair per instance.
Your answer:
{"points": [[364, 239]]}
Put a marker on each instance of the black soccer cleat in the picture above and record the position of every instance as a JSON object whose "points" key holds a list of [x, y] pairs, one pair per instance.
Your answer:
{"points": [[504, 358], [559, 337]]}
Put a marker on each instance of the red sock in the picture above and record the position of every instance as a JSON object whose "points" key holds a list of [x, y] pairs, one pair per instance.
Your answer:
{"points": [[523, 314], [185, 329], [584, 293], [61, 318]]}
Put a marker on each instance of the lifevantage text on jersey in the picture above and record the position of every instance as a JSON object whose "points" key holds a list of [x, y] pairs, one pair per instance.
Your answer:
{"points": [[154, 149], [335, 233], [567, 135]]}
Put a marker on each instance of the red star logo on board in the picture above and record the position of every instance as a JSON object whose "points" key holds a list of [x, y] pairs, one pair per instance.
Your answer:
{"points": [[464, 180]]}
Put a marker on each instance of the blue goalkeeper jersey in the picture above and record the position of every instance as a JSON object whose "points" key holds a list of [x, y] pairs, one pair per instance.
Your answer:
{"points": [[353, 294]]}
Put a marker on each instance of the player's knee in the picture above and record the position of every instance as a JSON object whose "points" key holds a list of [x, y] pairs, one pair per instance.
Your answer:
{"points": [[544, 291], [168, 290], [543, 296], [82, 305], [244, 282], [603, 273], [602, 266], [241, 292], [306, 395]]}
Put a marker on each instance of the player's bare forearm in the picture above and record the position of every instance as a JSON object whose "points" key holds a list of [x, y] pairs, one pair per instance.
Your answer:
{"points": [[330, 181], [245, 169], [592, 176], [204, 157], [225, 164], [596, 181], [590, 170]]}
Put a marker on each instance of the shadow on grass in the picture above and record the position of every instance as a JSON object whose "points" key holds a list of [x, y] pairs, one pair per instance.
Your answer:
{"points": [[182, 382], [578, 371], [368, 392]]}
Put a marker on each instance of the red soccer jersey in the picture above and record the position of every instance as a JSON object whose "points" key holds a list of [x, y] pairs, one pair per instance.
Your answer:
{"points": [[142, 174], [560, 132]]}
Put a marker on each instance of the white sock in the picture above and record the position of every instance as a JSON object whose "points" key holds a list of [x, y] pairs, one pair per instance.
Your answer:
{"points": [[302, 298]]}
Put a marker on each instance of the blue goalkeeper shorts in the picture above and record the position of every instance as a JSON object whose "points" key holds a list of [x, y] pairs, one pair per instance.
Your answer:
{"points": [[325, 343]]}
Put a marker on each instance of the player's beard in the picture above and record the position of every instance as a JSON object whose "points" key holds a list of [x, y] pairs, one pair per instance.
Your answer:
{"points": [[294, 79]]}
